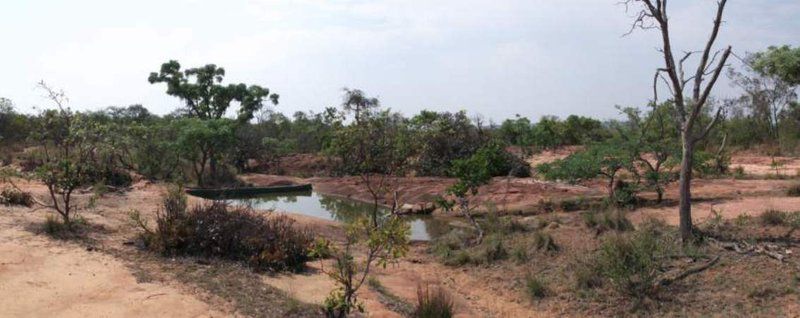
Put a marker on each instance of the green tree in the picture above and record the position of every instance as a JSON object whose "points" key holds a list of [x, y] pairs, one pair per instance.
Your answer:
{"points": [[203, 141], [603, 160], [376, 148], [782, 62], [205, 97]]}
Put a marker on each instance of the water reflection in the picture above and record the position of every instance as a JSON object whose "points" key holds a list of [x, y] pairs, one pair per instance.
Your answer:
{"points": [[310, 203]]}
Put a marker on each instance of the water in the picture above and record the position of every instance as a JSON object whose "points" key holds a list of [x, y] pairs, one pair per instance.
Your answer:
{"points": [[423, 228]]}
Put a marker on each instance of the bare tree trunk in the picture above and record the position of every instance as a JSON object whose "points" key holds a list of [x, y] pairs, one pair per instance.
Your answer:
{"points": [[685, 191]]}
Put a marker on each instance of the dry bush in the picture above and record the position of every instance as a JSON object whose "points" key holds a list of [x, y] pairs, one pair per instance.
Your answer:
{"points": [[11, 196], [794, 190], [433, 303], [218, 230], [773, 217], [536, 287], [609, 219]]}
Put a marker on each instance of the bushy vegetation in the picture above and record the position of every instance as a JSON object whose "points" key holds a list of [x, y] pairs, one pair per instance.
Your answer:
{"points": [[433, 303], [9, 196], [266, 243]]}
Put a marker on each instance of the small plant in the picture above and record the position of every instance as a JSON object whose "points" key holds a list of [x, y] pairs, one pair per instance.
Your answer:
{"points": [[743, 219], [773, 218], [587, 275], [794, 190], [11, 196], [631, 263], [738, 173], [520, 254], [609, 219], [544, 242], [433, 303], [493, 250], [535, 287]]}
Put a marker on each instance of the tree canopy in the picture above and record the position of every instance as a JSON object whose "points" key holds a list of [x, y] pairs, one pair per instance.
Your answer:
{"points": [[205, 97]]}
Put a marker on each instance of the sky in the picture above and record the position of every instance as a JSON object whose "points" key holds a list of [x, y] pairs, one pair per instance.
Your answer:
{"points": [[493, 58]]}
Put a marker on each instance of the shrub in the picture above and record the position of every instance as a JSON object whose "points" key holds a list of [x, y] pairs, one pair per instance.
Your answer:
{"points": [[433, 303], [610, 219], [238, 234], [773, 217], [794, 190], [536, 287], [631, 262], [492, 250], [587, 275], [544, 242], [625, 194], [15, 197]]}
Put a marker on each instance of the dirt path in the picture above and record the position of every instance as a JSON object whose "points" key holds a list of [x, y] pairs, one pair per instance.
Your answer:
{"points": [[40, 277]]}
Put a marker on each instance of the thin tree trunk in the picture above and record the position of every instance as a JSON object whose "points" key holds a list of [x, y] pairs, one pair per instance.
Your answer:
{"points": [[685, 184]]}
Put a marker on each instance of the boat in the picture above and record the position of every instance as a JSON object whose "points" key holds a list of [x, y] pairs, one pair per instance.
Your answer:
{"points": [[245, 191]]}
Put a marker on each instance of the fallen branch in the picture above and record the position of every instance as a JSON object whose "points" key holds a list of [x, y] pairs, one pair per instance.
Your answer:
{"points": [[666, 281]]}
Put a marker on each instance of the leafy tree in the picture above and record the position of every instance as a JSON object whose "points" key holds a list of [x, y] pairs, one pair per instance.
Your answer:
{"points": [[442, 138], [766, 95], [782, 62], [548, 133], [356, 102], [68, 142], [604, 160], [203, 141], [472, 173], [517, 131], [653, 144], [376, 147], [203, 94]]}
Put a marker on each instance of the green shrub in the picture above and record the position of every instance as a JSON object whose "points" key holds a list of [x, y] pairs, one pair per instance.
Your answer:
{"points": [[520, 254], [625, 194], [773, 217], [233, 233], [535, 287], [631, 263], [492, 250], [433, 303], [11, 196]]}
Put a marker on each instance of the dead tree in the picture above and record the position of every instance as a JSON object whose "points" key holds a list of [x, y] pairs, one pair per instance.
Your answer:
{"points": [[652, 14]]}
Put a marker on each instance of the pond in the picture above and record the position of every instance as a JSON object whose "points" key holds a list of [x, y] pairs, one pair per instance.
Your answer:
{"points": [[311, 203]]}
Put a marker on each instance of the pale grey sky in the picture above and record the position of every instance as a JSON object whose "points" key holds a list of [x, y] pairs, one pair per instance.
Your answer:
{"points": [[492, 57]]}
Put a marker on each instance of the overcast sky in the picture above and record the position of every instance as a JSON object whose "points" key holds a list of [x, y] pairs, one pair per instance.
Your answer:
{"points": [[496, 58]]}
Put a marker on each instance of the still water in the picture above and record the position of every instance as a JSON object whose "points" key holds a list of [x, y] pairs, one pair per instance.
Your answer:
{"points": [[310, 203]]}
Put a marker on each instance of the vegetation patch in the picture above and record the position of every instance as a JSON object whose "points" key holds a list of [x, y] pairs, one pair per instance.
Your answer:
{"points": [[216, 230], [433, 303], [11, 196]]}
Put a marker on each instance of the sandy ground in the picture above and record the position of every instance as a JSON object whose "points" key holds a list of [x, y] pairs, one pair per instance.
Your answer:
{"points": [[42, 277]]}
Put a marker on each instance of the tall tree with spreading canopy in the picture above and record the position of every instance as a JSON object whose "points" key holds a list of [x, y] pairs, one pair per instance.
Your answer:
{"points": [[205, 97], [652, 14]]}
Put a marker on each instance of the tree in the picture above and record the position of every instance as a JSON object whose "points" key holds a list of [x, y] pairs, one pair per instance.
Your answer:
{"points": [[604, 160], [204, 141], [652, 142], [652, 14], [68, 142], [472, 173], [767, 95], [376, 148], [781, 62], [203, 94], [356, 102]]}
